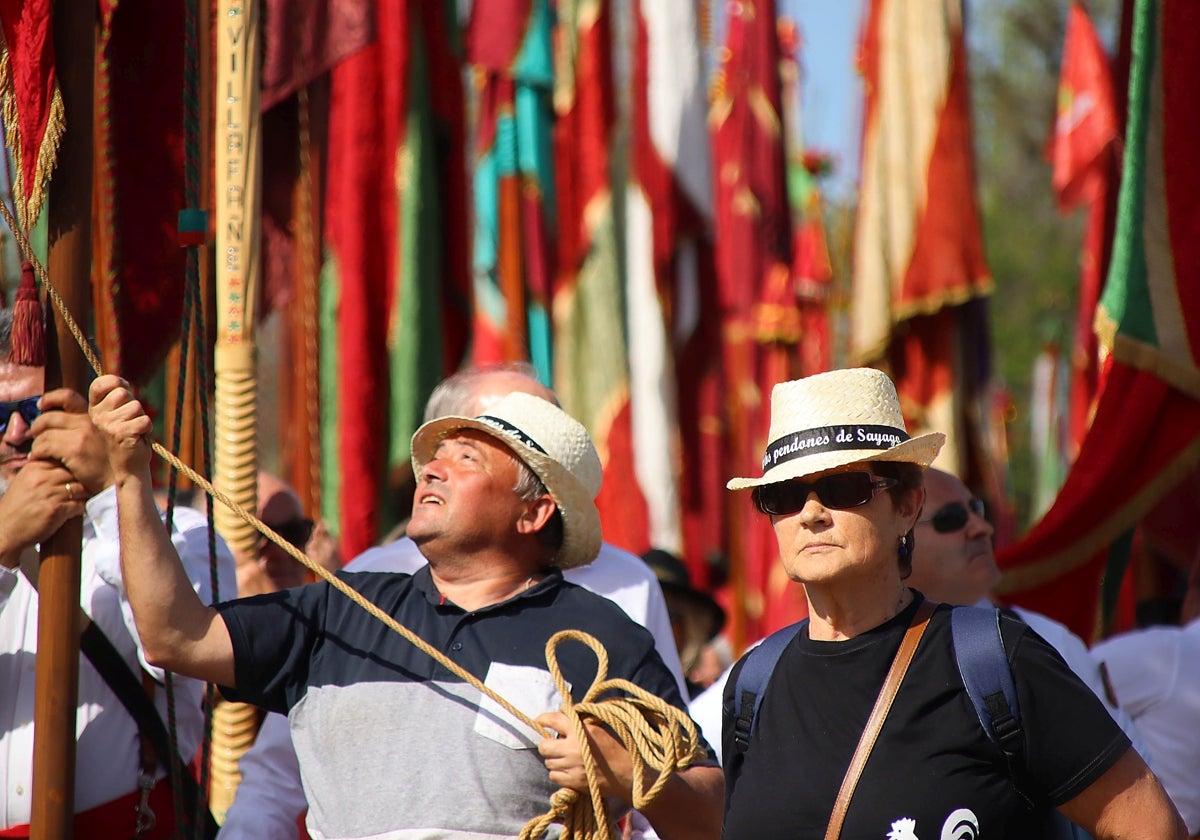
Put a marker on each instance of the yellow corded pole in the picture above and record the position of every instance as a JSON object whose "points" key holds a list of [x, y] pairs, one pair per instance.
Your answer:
{"points": [[237, 198]]}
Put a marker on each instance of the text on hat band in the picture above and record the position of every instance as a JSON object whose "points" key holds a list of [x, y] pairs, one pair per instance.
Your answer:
{"points": [[831, 439]]}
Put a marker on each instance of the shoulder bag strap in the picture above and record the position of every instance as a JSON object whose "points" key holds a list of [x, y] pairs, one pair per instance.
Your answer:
{"points": [[128, 689], [883, 705]]}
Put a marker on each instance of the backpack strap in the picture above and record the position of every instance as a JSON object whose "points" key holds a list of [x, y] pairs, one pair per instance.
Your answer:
{"points": [[752, 680], [987, 676], [748, 692], [985, 671]]}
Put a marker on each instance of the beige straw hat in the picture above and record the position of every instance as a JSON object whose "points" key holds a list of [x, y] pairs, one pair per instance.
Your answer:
{"points": [[555, 446], [833, 419]]}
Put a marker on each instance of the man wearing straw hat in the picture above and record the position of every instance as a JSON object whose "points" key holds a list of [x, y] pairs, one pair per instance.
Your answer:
{"points": [[270, 797], [865, 727], [390, 742], [53, 466]]}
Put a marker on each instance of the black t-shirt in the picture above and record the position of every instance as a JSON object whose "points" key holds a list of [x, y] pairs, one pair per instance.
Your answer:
{"points": [[933, 772]]}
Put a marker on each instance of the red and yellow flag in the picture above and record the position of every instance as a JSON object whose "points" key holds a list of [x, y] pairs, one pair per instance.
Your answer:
{"points": [[1086, 125], [919, 273]]}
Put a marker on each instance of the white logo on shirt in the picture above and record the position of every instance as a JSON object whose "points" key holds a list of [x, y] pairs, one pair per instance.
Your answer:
{"points": [[903, 829], [961, 825]]}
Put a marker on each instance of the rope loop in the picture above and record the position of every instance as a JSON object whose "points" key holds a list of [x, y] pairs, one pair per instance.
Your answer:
{"points": [[660, 739]]}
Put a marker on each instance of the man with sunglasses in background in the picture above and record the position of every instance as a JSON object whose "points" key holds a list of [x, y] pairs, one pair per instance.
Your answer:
{"points": [[272, 568], [54, 466], [953, 562]]}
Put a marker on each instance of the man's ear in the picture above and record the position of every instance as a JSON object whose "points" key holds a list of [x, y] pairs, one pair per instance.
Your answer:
{"points": [[537, 514]]}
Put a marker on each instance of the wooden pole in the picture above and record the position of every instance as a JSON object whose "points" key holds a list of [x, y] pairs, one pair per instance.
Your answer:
{"points": [[69, 264], [238, 205]]}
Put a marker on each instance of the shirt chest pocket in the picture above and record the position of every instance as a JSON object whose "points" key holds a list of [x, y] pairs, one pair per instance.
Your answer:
{"points": [[529, 689]]}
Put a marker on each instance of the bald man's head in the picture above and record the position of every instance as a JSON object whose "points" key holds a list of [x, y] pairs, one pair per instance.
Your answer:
{"points": [[472, 391], [280, 509], [276, 498]]}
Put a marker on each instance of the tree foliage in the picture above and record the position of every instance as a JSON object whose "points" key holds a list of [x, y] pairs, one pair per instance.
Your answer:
{"points": [[1015, 49]]}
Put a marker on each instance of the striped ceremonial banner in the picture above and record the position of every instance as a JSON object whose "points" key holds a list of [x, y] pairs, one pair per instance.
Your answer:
{"points": [[428, 327], [1145, 437], [509, 50], [396, 234], [591, 368], [671, 344], [918, 252], [366, 119]]}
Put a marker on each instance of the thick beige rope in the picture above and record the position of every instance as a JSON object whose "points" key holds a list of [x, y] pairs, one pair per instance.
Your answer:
{"points": [[660, 738]]}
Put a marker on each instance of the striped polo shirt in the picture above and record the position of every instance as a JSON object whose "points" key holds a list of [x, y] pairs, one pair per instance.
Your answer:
{"points": [[391, 744]]}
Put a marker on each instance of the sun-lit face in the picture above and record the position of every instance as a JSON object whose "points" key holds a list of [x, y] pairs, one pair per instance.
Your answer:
{"points": [[955, 567], [821, 545], [16, 383], [465, 498]]}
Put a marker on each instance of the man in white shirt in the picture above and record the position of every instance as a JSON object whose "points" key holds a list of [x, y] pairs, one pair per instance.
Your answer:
{"points": [[1155, 674], [53, 466], [953, 562], [270, 799]]}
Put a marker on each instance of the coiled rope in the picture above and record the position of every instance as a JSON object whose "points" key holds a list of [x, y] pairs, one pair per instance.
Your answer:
{"points": [[660, 738]]}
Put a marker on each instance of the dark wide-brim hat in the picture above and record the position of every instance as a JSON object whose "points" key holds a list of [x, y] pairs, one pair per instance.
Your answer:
{"points": [[555, 446], [706, 616], [833, 419]]}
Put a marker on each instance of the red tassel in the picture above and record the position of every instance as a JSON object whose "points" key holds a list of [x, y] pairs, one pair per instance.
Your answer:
{"points": [[28, 328]]}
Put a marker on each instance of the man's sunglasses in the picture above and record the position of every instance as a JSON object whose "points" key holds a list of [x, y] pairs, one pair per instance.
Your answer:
{"points": [[296, 531], [953, 517], [27, 408], [838, 491]]}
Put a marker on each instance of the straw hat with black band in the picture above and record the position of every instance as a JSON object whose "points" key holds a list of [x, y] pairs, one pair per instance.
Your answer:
{"points": [[555, 446], [834, 419]]}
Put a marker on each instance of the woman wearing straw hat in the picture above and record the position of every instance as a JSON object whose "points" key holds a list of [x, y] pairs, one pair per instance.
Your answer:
{"points": [[865, 728]]}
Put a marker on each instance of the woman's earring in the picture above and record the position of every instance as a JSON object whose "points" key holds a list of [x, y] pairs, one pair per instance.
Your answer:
{"points": [[903, 549]]}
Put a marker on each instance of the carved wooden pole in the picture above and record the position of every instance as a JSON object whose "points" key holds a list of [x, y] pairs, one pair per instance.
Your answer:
{"points": [[237, 197]]}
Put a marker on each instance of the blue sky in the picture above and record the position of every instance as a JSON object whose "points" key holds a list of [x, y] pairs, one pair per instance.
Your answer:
{"points": [[831, 94]]}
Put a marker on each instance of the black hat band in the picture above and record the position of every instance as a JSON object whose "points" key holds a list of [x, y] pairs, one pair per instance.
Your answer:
{"points": [[505, 426], [831, 439]]}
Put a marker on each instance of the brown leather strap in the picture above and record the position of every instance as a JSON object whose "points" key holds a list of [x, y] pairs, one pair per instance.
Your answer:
{"points": [[883, 705]]}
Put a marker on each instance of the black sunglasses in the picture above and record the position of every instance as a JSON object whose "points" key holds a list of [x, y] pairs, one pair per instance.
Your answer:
{"points": [[838, 491], [953, 516], [27, 408], [294, 531]]}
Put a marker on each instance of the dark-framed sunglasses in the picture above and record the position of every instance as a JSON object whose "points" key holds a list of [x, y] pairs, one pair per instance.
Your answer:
{"points": [[839, 491], [295, 531], [27, 408], [953, 516]]}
